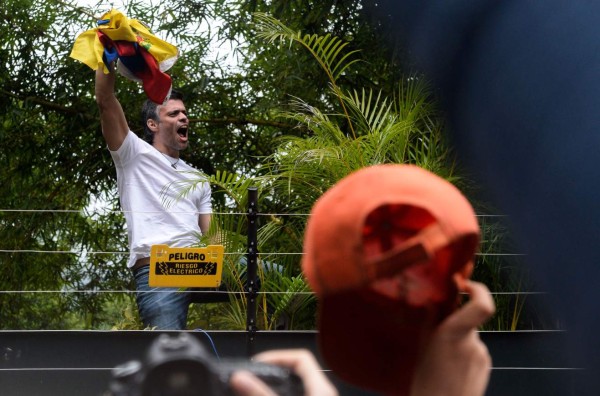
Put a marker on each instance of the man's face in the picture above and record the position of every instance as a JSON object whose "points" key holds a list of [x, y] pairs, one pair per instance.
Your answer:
{"points": [[172, 134]]}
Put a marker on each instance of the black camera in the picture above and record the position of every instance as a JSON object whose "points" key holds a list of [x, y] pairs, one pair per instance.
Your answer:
{"points": [[181, 366]]}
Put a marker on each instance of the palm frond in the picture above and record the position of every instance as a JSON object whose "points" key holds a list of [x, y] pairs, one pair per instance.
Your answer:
{"points": [[372, 113], [181, 188], [291, 295], [234, 316], [413, 100], [233, 185], [326, 49]]}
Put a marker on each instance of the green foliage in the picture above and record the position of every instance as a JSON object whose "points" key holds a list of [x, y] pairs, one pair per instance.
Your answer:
{"points": [[505, 272], [326, 50], [292, 302], [370, 129], [126, 313]]}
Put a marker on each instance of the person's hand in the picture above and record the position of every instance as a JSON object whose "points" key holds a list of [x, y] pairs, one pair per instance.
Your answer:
{"points": [[456, 362], [300, 361]]}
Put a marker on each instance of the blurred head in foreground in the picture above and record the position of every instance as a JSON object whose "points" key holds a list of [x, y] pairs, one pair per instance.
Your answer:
{"points": [[382, 250]]}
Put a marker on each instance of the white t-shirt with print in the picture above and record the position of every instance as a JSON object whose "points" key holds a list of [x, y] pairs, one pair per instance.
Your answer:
{"points": [[150, 193]]}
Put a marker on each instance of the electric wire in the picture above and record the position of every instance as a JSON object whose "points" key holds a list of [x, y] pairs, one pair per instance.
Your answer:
{"points": [[211, 342], [267, 254]]}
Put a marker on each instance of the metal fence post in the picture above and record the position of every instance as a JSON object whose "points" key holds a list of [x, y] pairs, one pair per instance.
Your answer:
{"points": [[252, 285]]}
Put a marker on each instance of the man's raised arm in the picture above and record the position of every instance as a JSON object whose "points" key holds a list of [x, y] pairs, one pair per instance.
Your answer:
{"points": [[112, 118]]}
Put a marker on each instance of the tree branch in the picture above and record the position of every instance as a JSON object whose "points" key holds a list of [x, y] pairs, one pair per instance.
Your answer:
{"points": [[242, 121], [214, 121], [45, 103]]}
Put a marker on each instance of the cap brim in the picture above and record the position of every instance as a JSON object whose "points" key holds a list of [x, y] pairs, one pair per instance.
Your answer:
{"points": [[373, 344], [373, 341]]}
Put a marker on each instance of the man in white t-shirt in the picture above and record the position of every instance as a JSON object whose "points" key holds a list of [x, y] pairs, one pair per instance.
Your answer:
{"points": [[150, 178]]}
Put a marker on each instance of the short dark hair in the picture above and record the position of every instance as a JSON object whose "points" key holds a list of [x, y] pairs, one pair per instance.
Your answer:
{"points": [[150, 112]]}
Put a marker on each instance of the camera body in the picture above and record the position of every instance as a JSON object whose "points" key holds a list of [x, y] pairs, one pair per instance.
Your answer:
{"points": [[181, 366]]}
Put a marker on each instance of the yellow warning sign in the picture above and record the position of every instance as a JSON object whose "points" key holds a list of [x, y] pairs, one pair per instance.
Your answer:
{"points": [[186, 267]]}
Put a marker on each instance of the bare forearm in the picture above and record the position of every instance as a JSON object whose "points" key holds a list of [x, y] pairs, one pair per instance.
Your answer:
{"points": [[204, 222], [105, 87], [112, 118]]}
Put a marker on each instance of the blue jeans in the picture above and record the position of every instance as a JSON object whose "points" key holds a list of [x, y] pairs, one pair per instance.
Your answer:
{"points": [[161, 308]]}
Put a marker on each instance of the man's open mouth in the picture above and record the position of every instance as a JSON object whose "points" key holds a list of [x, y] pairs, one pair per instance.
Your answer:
{"points": [[183, 132]]}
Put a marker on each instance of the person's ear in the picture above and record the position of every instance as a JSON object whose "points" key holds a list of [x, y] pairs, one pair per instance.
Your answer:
{"points": [[152, 124]]}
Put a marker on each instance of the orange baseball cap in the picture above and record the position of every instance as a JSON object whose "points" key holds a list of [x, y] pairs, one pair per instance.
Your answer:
{"points": [[381, 251]]}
